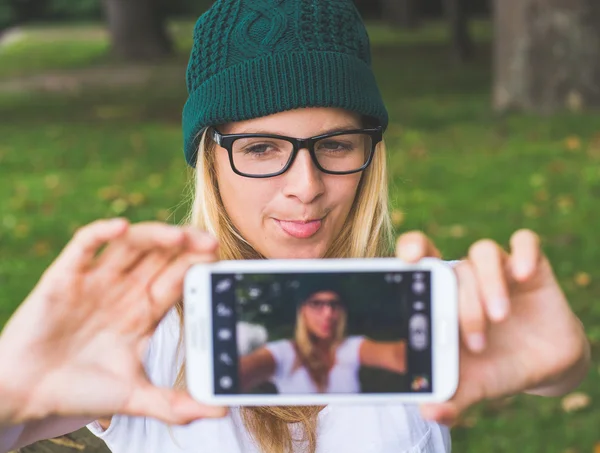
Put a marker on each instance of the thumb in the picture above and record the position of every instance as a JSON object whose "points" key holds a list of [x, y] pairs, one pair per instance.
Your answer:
{"points": [[443, 413], [174, 407]]}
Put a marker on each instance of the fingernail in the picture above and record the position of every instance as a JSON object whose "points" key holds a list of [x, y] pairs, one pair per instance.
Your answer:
{"points": [[522, 270], [476, 342], [117, 221], [411, 252], [498, 309]]}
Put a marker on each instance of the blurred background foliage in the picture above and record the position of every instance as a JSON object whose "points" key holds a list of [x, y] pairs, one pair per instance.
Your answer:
{"points": [[494, 126]]}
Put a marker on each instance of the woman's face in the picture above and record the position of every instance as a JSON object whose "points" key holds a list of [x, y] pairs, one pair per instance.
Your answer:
{"points": [[322, 313], [297, 214]]}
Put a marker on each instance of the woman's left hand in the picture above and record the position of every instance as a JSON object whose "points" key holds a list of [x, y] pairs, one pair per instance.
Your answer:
{"points": [[518, 332]]}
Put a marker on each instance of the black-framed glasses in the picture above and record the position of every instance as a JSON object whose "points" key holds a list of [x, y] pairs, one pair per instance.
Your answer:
{"points": [[266, 155], [320, 304]]}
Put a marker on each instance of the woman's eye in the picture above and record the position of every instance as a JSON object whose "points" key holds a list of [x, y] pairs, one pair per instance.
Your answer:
{"points": [[335, 146], [262, 148]]}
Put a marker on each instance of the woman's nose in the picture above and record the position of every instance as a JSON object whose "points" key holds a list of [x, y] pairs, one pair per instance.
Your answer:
{"points": [[303, 179]]}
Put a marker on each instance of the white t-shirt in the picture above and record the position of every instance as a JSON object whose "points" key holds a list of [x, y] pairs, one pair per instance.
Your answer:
{"points": [[343, 377], [343, 428]]}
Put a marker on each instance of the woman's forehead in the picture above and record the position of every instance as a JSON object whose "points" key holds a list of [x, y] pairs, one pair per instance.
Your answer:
{"points": [[329, 294], [300, 123]]}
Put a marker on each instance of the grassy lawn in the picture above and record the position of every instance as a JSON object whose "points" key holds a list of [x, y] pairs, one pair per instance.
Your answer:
{"points": [[458, 172]]}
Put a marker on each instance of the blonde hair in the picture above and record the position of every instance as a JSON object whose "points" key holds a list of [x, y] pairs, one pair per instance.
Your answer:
{"points": [[307, 352], [367, 233]]}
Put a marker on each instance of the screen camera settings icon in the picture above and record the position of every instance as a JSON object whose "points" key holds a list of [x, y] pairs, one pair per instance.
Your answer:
{"points": [[418, 329], [224, 334], [223, 286], [224, 310], [226, 382]]}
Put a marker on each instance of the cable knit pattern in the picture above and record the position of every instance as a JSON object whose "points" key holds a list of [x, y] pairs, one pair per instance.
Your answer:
{"points": [[254, 58]]}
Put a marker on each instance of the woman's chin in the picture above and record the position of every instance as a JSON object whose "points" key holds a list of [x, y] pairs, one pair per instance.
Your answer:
{"points": [[298, 251]]}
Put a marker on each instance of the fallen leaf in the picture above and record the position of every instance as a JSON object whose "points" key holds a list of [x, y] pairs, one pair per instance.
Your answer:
{"points": [[119, 206], [418, 151], [52, 181], [163, 215], [564, 240], [573, 143], [136, 199], [457, 231], [557, 167], [109, 193], [48, 209], [575, 402], [41, 248], [594, 148], [532, 211], [22, 189], [9, 221], [541, 195], [597, 447], [66, 442], [433, 229], [537, 180], [155, 180], [565, 203], [137, 143], [575, 101], [397, 218], [583, 279], [22, 230]]}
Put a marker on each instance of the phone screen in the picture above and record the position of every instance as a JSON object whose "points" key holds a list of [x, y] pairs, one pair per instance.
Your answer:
{"points": [[304, 333]]}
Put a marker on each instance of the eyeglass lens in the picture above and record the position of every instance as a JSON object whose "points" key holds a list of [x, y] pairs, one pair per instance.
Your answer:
{"points": [[263, 156]]}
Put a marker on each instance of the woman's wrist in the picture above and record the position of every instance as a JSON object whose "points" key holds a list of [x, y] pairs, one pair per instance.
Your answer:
{"points": [[15, 394], [9, 409]]}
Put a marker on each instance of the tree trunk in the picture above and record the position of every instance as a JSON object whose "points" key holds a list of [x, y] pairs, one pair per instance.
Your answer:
{"points": [[400, 13], [546, 55], [456, 12], [138, 29]]}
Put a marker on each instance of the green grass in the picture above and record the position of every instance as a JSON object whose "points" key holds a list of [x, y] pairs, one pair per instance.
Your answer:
{"points": [[457, 171]]}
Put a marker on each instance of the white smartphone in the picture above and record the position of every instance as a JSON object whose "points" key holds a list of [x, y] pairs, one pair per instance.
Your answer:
{"points": [[317, 332]]}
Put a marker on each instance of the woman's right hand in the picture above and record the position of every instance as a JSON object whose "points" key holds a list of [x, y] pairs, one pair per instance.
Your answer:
{"points": [[75, 346]]}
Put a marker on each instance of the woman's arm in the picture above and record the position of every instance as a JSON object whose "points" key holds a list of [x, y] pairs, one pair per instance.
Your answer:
{"points": [[390, 356], [71, 351], [18, 428], [256, 368]]}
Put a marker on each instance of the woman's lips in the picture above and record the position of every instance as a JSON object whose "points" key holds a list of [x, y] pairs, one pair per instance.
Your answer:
{"points": [[300, 230]]}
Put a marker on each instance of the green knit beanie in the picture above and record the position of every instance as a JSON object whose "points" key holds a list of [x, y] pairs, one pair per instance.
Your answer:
{"points": [[254, 58]]}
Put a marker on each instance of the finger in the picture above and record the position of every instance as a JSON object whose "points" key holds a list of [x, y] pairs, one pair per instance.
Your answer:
{"points": [[489, 263], [199, 241], [472, 318], [81, 251], [525, 254], [174, 407], [166, 289], [123, 254], [413, 246]]}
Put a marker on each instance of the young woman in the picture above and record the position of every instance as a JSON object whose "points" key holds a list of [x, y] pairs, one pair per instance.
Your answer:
{"points": [[320, 358], [284, 124]]}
